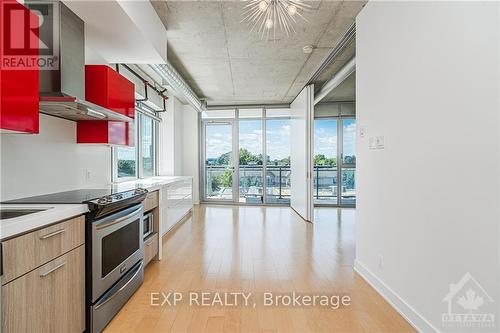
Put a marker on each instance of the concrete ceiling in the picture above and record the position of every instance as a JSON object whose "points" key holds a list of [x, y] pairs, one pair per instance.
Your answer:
{"points": [[224, 63]]}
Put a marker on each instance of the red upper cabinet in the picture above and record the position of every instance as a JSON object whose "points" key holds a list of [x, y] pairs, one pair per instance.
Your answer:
{"points": [[106, 132], [109, 89], [18, 69]]}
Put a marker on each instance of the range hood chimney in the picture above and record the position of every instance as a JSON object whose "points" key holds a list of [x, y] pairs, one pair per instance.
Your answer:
{"points": [[62, 91]]}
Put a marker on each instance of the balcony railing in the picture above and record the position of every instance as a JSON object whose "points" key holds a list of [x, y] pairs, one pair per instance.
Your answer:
{"points": [[326, 186], [278, 184]]}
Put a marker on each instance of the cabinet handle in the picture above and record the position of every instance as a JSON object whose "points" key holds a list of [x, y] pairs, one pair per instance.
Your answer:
{"points": [[52, 270], [57, 232]]}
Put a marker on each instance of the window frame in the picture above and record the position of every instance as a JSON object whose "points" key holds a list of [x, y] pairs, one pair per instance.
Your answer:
{"points": [[234, 120], [139, 146], [138, 119], [341, 166]]}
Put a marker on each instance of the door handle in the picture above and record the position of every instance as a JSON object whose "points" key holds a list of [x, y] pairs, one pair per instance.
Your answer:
{"points": [[106, 299], [118, 220], [57, 232], [52, 270]]}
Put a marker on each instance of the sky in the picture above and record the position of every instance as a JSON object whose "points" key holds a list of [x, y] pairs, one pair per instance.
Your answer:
{"points": [[218, 138], [325, 137]]}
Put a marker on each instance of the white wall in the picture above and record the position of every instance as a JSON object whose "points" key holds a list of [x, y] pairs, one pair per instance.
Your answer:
{"points": [[179, 140], [171, 139], [190, 149], [428, 81], [301, 153], [128, 32], [51, 161]]}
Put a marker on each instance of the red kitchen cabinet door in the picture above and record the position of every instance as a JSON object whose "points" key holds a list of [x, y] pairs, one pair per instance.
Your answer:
{"points": [[18, 69], [105, 132], [109, 89]]}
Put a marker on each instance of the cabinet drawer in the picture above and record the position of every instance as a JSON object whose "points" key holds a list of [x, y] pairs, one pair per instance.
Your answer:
{"points": [[151, 201], [150, 248], [25, 253], [48, 299]]}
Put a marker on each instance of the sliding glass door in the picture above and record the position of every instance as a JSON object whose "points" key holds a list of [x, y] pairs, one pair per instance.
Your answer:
{"points": [[278, 161], [334, 161], [325, 177], [219, 171], [250, 168]]}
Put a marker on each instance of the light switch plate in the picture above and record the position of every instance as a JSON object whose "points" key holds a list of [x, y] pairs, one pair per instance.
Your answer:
{"points": [[380, 142], [372, 144]]}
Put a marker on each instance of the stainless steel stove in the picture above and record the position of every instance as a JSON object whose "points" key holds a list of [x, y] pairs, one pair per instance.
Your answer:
{"points": [[115, 254], [114, 247]]}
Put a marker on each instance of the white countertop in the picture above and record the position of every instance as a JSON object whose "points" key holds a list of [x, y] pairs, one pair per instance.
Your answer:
{"points": [[151, 184], [52, 214], [59, 212]]}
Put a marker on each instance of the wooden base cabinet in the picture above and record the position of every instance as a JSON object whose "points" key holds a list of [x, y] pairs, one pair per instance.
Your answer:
{"points": [[45, 293], [150, 248], [49, 298]]}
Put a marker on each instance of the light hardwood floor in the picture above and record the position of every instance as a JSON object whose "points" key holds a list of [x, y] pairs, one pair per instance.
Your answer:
{"points": [[259, 249]]}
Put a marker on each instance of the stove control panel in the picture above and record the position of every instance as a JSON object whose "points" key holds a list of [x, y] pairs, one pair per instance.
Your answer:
{"points": [[118, 197]]}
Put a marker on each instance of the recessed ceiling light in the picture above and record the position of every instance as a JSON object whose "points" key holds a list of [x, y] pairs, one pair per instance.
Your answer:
{"points": [[307, 49]]}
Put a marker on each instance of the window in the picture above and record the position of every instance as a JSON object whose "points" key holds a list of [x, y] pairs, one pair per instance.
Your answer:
{"points": [[325, 161], [246, 159], [250, 160], [218, 160], [278, 160], [147, 147], [349, 141], [126, 162], [140, 161], [335, 161]]}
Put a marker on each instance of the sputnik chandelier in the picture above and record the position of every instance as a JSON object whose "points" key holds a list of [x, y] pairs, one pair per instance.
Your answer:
{"points": [[265, 15]]}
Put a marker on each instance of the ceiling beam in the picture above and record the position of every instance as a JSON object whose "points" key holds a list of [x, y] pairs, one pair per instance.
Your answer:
{"points": [[336, 80], [168, 73], [248, 106]]}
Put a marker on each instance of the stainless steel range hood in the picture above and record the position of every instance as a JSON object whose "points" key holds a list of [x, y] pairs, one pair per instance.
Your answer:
{"points": [[76, 109], [62, 91]]}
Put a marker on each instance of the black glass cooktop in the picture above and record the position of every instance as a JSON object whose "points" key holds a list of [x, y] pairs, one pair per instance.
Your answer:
{"points": [[68, 197]]}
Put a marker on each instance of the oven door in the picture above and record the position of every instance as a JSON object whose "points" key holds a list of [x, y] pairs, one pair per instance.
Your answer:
{"points": [[117, 246]]}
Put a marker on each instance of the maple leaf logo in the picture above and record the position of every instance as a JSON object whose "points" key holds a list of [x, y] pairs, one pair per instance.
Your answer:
{"points": [[470, 301]]}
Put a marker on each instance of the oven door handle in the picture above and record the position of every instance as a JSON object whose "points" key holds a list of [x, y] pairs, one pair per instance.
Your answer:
{"points": [[106, 300], [118, 220]]}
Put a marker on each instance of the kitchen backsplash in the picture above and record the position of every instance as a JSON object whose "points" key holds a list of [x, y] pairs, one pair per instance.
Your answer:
{"points": [[51, 161]]}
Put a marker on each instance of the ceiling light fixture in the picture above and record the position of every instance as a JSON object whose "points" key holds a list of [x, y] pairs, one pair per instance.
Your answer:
{"points": [[265, 16], [308, 49]]}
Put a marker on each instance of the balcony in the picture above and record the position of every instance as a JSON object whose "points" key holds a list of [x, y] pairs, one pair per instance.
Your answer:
{"points": [[325, 186], [219, 184], [278, 184]]}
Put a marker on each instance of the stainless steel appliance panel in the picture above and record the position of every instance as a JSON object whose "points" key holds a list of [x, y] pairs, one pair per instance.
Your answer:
{"points": [[117, 245], [111, 302], [148, 225]]}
